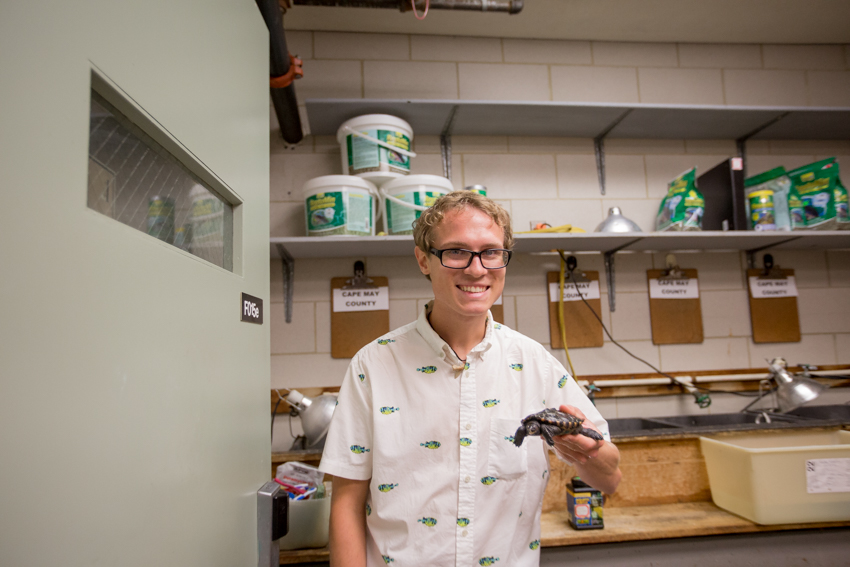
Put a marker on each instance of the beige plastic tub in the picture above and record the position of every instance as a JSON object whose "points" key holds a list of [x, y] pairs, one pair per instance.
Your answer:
{"points": [[786, 478]]}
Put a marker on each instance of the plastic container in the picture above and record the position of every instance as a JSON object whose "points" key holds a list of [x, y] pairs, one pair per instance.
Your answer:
{"points": [[781, 478], [309, 521], [340, 205], [584, 505], [404, 199], [376, 147], [762, 211]]}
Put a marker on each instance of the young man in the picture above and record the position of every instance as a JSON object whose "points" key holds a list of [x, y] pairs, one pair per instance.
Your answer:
{"points": [[425, 470]]}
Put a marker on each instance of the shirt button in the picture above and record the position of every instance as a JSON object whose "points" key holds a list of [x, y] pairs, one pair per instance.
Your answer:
{"points": [[464, 533], [466, 479], [468, 426]]}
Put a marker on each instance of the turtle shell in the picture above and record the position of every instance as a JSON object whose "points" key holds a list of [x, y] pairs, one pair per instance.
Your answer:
{"points": [[557, 418]]}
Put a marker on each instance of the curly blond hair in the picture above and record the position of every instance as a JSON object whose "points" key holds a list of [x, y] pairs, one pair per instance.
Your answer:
{"points": [[430, 219]]}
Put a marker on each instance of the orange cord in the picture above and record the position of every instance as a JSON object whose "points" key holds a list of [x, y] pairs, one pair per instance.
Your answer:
{"points": [[295, 72], [425, 13]]}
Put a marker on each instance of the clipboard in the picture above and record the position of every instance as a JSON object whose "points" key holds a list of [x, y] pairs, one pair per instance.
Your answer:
{"points": [[776, 319], [352, 330], [675, 321], [583, 330]]}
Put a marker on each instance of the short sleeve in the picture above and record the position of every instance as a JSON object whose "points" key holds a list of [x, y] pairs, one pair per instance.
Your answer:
{"points": [[348, 446], [561, 388]]}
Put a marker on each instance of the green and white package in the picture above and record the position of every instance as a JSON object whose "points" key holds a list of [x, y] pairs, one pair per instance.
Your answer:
{"points": [[842, 215], [796, 210], [815, 184], [775, 180], [683, 207]]}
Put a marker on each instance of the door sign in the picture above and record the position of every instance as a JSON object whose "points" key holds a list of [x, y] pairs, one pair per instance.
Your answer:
{"points": [[252, 309]]}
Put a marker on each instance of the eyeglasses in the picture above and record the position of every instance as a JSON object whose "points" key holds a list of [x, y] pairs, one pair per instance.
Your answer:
{"points": [[460, 259]]}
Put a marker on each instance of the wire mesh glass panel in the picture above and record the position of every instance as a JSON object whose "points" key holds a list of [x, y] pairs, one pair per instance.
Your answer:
{"points": [[135, 181]]}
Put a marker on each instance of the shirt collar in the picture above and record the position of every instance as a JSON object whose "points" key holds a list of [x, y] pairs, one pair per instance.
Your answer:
{"points": [[441, 347]]}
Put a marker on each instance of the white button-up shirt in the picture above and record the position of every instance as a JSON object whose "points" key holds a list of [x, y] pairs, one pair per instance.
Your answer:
{"points": [[435, 436]]}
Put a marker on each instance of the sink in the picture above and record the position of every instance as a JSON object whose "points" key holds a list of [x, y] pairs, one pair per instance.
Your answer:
{"points": [[839, 412], [633, 424], [722, 419]]}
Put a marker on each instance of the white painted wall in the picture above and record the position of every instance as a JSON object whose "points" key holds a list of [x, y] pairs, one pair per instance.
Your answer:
{"points": [[554, 179]]}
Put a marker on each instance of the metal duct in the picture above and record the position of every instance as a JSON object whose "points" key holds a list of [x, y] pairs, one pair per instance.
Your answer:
{"points": [[285, 103], [510, 6]]}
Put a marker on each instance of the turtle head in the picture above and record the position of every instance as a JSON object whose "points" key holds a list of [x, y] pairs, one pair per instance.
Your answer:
{"points": [[532, 428]]}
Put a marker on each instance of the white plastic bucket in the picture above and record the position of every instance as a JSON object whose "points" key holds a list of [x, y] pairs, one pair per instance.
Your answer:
{"points": [[340, 205], [376, 147], [404, 199]]}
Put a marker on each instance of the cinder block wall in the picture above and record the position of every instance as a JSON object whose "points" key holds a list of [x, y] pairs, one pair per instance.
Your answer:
{"points": [[554, 179]]}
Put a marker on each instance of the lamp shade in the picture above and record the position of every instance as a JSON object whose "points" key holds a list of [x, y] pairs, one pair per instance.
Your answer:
{"points": [[616, 222], [794, 391], [316, 414]]}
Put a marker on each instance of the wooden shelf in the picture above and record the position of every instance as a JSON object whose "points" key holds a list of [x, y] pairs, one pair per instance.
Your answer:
{"points": [[348, 247]]}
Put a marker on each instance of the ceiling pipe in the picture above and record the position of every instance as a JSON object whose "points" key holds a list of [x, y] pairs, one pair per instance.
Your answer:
{"points": [[509, 6], [283, 99]]}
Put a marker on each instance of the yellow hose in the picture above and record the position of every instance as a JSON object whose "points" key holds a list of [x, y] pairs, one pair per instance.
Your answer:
{"points": [[561, 325]]}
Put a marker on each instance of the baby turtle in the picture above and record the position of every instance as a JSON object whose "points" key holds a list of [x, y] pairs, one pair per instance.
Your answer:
{"points": [[552, 423]]}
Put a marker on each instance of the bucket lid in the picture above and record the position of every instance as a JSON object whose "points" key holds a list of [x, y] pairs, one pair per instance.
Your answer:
{"points": [[374, 121], [331, 182], [414, 180]]}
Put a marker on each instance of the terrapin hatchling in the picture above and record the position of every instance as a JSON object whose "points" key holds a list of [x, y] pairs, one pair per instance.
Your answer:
{"points": [[552, 423]]}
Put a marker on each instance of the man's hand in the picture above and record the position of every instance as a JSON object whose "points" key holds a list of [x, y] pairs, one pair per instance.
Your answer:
{"points": [[597, 462], [348, 522], [577, 448]]}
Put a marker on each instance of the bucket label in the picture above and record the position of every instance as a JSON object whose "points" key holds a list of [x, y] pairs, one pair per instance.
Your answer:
{"points": [[400, 218], [325, 212], [365, 156], [339, 213], [359, 214]]}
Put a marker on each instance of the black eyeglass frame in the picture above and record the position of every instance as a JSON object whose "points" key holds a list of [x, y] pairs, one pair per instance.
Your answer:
{"points": [[439, 254]]}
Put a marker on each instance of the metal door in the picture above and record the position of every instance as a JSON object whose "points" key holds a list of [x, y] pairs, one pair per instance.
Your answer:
{"points": [[134, 408]]}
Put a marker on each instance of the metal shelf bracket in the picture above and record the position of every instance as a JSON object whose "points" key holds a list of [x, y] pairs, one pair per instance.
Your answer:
{"points": [[288, 263]]}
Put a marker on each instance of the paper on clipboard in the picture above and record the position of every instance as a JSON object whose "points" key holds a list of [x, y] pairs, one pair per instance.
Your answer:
{"points": [[371, 299]]}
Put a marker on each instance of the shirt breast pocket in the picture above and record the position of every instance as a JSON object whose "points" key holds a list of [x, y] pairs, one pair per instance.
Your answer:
{"points": [[505, 460]]}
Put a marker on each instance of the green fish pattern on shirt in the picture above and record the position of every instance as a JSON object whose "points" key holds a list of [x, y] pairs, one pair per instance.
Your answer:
{"points": [[465, 441], [466, 366], [516, 367], [497, 326], [488, 480], [362, 377], [463, 522], [487, 560], [534, 544], [490, 403], [386, 487], [385, 341], [387, 410], [430, 444], [368, 510], [357, 449], [427, 369], [563, 381], [430, 522], [509, 438], [387, 559]]}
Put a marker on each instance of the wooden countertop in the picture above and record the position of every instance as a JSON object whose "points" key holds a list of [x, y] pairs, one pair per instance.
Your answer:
{"points": [[663, 521], [632, 523]]}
